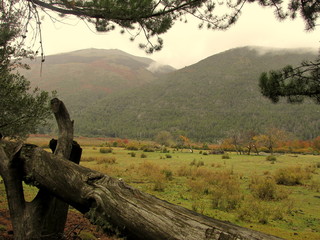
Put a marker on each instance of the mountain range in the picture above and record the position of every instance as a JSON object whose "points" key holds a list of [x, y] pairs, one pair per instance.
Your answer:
{"points": [[111, 93]]}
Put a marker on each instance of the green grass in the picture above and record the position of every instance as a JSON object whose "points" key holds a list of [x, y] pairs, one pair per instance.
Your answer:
{"points": [[295, 215]]}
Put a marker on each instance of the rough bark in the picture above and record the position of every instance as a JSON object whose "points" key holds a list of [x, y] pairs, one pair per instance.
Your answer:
{"points": [[45, 216], [117, 207]]}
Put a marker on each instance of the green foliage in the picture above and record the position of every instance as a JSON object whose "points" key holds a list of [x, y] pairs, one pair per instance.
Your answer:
{"points": [[168, 174], [196, 163], [292, 83], [106, 150], [106, 160], [266, 188], [132, 154], [22, 109], [253, 210], [143, 155], [171, 103], [292, 175], [225, 156], [271, 158]]}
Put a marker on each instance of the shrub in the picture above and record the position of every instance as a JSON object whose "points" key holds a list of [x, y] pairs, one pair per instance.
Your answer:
{"points": [[168, 156], [225, 156], [204, 153], [200, 163], [164, 150], [105, 150], [226, 190], [149, 169], [143, 155], [196, 163], [132, 154], [253, 210], [265, 188], [291, 176], [159, 185], [132, 148], [148, 148], [168, 174], [193, 162], [184, 171], [108, 160], [271, 158]]}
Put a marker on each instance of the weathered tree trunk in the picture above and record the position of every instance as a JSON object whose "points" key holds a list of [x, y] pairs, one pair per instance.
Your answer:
{"points": [[117, 207], [45, 216]]}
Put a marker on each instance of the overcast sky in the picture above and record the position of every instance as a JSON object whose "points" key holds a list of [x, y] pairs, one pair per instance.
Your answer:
{"points": [[185, 44]]}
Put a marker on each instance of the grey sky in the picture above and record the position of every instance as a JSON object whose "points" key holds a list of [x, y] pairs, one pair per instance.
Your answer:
{"points": [[185, 44]]}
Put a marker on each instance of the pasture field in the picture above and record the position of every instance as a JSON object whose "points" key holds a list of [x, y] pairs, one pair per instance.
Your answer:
{"points": [[240, 189], [278, 196]]}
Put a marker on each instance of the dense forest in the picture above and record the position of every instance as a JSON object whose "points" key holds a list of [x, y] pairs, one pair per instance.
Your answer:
{"points": [[205, 101]]}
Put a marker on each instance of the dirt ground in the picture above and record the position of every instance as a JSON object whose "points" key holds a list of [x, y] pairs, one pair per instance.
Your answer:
{"points": [[77, 228]]}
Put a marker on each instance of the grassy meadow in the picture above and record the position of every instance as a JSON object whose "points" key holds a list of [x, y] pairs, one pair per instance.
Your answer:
{"points": [[279, 196]]}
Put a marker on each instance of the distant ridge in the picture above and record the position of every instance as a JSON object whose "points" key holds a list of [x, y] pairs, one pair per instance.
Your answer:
{"points": [[205, 101], [83, 76]]}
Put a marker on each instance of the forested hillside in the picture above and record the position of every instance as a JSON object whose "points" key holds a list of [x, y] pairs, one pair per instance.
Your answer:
{"points": [[205, 101], [82, 77]]}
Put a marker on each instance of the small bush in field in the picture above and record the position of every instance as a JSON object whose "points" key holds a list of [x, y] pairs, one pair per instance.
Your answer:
{"points": [[271, 158], [132, 147], [254, 210], [204, 153], [193, 162], [184, 171], [159, 186], [225, 156], [148, 148], [105, 150], [266, 188], [168, 174], [168, 156], [291, 176], [226, 192], [200, 163], [108, 160], [196, 163], [132, 154], [143, 155]]}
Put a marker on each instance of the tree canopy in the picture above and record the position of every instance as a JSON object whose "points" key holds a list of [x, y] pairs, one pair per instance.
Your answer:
{"points": [[22, 110], [293, 83]]}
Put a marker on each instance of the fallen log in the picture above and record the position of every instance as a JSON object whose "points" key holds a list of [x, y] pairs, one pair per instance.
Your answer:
{"points": [[118, 207]]}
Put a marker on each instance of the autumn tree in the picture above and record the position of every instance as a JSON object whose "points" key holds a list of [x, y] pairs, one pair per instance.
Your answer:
{"points": [[249, 142], [271, 138]]}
